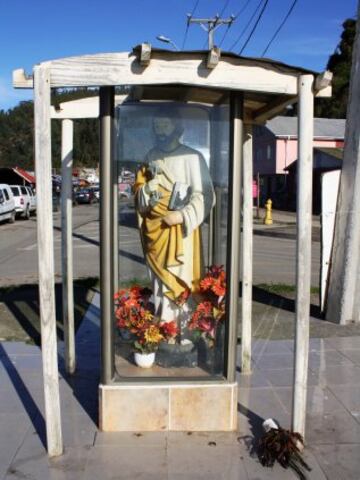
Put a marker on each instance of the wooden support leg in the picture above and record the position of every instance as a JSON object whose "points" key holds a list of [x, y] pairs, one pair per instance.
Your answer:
{"points": [[66, 244], [46, 260], [343, 304], [303, 250], [247, 252]]}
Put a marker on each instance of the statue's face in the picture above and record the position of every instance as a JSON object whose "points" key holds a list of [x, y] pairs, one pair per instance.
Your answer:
{"points": [[163, 128]]}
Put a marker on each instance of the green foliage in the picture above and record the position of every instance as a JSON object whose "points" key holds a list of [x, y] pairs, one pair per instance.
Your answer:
{"points": [[16, 136], [340, 64], [17, 127], [283, 288]]}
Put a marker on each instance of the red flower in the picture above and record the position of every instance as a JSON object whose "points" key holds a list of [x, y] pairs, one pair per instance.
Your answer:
{"points": [[169, 329]]}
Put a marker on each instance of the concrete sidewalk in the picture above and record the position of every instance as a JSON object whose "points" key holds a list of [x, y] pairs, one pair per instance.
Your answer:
{"points": [[333, 420]]}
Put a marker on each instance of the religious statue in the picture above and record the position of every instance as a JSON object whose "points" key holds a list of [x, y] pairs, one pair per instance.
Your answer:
{"points": [[174, 195]]}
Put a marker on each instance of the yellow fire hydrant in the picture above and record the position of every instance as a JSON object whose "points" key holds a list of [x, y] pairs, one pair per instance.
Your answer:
{"points": [[268, 215]]}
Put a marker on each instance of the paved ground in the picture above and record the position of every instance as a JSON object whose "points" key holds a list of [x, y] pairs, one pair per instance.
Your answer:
{"points": [[274, 250], [333, 420]]}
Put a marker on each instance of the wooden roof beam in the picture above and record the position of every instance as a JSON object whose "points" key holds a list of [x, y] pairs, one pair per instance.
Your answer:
{"points": [[21, 79], [213, 57], [143, 54], [322, 87], [273, 108], [323, 83]]}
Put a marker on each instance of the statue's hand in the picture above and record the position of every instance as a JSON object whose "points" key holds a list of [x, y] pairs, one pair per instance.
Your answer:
{"points": [[173, 218], [151, 186]]}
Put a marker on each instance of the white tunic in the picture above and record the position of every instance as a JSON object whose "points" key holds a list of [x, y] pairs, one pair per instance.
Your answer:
{"points": [[188, 166]]}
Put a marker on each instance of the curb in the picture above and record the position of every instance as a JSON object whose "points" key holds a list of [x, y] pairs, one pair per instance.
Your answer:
{"points": [[274, 233]]}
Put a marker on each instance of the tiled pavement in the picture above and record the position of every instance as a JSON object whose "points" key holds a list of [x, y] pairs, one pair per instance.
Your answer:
{"points": [[333, 421]]}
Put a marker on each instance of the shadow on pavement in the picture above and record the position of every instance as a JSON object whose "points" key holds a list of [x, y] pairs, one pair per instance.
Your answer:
{"points": [[25, 312], [28, 402], [282, 302]]}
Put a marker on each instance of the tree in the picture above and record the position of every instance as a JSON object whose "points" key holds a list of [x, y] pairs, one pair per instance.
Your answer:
{"points": [[340, 64], [17, 138]]}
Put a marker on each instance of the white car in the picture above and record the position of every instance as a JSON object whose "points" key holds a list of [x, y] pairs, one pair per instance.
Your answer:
{"points": [[7, 204], [25, 200]]}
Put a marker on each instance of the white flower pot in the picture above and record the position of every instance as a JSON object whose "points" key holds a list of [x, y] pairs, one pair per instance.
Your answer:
{"points": [[144, 360]]}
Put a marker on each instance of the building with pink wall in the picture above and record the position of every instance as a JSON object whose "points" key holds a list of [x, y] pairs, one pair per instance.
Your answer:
{"points": [[275, 149]]}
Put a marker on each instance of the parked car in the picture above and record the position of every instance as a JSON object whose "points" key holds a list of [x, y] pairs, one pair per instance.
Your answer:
{"points": [[96, 191], [25, 200], [85, 195], [7, 204]]}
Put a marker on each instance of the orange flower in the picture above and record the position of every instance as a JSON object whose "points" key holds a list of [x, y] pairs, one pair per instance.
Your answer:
{"points": [[206, 283], [219, 288]]}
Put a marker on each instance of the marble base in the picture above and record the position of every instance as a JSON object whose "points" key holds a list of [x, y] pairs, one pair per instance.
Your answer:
{"points": [[161, 407]]}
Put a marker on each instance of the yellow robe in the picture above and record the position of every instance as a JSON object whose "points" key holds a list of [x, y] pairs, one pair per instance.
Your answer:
{"points": [[174, 253]]}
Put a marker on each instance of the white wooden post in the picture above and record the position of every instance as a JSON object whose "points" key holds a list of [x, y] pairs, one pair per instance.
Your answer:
{"points": [[46, 259], [303, 249], [343, 296], [67, 132], [247, 252]]}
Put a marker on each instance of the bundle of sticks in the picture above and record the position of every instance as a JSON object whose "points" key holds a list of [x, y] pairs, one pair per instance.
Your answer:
{"points": [[283, 446]]}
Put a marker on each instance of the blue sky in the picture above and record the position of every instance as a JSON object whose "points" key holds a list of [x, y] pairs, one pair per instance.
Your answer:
{"points": [[39, 30]]}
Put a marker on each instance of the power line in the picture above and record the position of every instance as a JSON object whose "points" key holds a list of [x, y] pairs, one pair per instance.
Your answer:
{"points": [[224, 8], [247, 25], [225, 33], [280, 27], [242, 9], [254, 27], [236, 16], [188, 23]]}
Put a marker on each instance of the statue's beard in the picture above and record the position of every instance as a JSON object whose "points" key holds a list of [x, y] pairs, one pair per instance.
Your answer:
{"points": [[164, 142]]}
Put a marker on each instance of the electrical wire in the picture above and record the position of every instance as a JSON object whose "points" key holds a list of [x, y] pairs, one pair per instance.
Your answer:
{"points": [[224, 8], [225, 33], [242, 9], [231, 24], [246, 26], [280, 27], [187, 24], [254, 27]]}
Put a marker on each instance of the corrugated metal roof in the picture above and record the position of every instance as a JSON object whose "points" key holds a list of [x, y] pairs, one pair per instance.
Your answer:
{"points": [[323, 127]]}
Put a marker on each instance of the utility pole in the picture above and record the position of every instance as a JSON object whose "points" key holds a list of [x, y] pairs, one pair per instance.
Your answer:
{"points": [[210, 25]]}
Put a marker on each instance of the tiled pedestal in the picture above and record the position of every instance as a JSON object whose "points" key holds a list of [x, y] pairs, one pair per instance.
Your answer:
{"points": [[161, 407]]}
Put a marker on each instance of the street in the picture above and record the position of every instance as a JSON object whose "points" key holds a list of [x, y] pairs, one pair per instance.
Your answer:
{"points": [[274, 257]]}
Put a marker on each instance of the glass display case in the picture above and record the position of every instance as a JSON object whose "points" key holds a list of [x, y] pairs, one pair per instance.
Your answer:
{"points": [[171, 162]]}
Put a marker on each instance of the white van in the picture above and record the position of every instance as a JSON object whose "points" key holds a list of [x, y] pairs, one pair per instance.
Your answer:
{"points": [[7, 204], [25, 200]]}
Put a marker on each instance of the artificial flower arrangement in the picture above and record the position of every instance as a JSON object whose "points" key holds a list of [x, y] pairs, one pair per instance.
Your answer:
{"points": [[210, 311], [135, 313]]}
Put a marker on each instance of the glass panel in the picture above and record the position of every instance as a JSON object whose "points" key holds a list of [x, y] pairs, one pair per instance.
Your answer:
{"points": [[172, 162]]}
